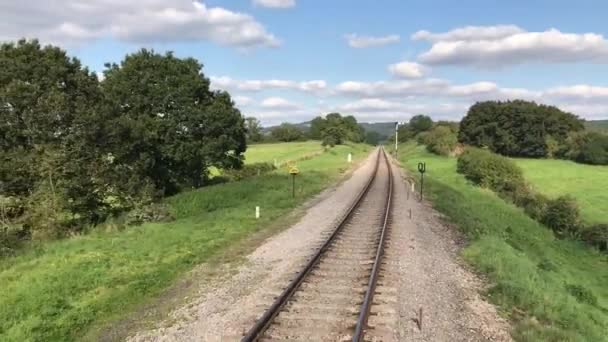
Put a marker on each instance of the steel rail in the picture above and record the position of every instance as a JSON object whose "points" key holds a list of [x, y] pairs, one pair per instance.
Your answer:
{"points": [[373, 278], [262, 324]]}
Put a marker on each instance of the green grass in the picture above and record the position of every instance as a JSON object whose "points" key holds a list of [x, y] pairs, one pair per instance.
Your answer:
{"points": [[552, 290], [587, 183], [282, 152], [64, 290]]}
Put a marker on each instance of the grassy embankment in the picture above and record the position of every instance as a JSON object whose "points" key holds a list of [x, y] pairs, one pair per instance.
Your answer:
{"points": [[64, 290], [553, 290], [588, 184]]}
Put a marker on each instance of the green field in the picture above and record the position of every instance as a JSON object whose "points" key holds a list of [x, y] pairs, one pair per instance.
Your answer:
{"points": [[282, 152], [64, 290], [552, 290], [587, 183]]}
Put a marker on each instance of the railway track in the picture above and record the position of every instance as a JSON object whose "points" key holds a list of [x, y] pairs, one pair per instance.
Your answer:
{"points": [[331, 298]]}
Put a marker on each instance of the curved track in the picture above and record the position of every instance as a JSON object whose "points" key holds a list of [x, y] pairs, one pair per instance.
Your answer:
{"points": [[330, 299]]}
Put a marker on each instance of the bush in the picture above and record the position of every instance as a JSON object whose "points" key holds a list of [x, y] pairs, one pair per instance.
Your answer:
{"points": [[249, 170], [534, 204], [491, 171], [441, 140], [562, 215], [597, 236]]}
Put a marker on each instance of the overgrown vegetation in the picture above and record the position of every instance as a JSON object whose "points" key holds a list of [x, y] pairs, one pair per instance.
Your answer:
{"points": [[75, 151], [552, 289]]}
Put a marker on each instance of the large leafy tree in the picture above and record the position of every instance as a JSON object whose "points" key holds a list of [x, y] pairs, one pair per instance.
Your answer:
{"points": [[517, 128], [42, 93], [163, 123]]}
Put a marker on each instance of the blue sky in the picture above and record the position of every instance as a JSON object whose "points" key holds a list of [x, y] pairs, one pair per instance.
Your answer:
{"points": [[291, 60]]}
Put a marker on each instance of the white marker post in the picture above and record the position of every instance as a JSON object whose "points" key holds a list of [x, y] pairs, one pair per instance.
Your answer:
{"points": [[257, 212], [350, 158]]}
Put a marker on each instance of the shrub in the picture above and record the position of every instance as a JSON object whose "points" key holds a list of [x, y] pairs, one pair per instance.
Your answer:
{"points": [[562, 215], [597, 236], [534, 204], [249, 170], [153, 212], [441, 140], [491, 171]]}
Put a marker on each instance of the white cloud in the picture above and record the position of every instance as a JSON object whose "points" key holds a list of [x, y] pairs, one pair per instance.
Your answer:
{"points": [[75, 21], [361, 42], [278, 103], [275, 3], [230, 84], [496, 48], [407, 70], [370, 105], [242, 100], [470, 33], [581, 92]]}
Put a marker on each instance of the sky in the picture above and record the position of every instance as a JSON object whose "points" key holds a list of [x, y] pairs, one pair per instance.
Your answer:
{"points": [[382, 60]]}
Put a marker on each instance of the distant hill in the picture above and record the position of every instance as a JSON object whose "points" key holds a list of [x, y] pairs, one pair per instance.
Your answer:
{"points": [[597, 125]]}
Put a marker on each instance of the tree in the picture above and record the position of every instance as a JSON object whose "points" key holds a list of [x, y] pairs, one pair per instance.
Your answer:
{"points": [[347, 128], [254, 129], [517, 128], [441, 140], [332, 136], [594, 149], [287, 132], [316, 126], [42, 91], [420, 123], [164, 123]]}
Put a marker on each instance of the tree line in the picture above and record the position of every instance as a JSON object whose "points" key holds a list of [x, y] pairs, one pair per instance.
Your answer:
{"points": [[331, 129], [527, 129], [75, 150]]}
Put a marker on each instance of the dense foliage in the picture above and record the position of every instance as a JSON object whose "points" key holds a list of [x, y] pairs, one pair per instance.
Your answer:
{"points": [[418, 124], [335, 129], [593, 149], [518, 128], [74, 150], [489, 170]]}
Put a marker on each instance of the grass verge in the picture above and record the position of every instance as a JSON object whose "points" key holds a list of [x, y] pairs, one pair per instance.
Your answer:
{"points": [[63, 290], [552, 290], [588, 184]]}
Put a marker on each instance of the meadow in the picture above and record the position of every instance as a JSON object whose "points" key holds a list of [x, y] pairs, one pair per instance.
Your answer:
{"points": [[283, 152], [551, 289], [588, 184], [73, 289]]}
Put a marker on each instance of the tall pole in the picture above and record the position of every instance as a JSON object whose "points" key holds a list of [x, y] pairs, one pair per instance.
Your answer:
{"points": [[396, 136]]}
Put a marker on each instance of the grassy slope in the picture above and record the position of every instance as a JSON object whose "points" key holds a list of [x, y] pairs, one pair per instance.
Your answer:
{"points": [[282, 152], [587, 183], [63, 289], [529, 269]]}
